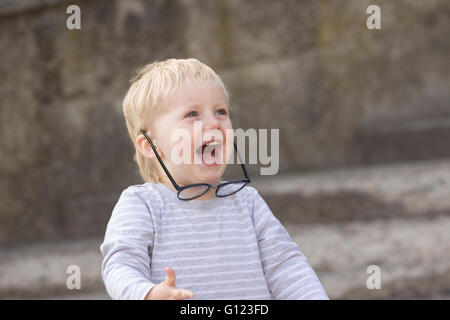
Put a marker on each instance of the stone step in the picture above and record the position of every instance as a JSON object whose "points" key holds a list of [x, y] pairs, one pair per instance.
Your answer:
{"points": [[393, 216], [405, 140], [39, 270], [412, 254], [360, 194]]}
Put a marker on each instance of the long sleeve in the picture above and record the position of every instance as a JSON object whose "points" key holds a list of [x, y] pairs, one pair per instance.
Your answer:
{"points": [[126, 249], [288, 273]]}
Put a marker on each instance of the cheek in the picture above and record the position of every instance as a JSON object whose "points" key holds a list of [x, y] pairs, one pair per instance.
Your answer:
{"points": [[228, 130], [229, 142], [227, 124], [183, 144]]}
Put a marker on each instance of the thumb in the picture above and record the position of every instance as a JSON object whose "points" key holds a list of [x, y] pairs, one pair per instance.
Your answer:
{"points": [[170, 277]]}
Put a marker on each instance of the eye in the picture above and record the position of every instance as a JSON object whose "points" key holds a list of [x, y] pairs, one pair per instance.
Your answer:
{"points": [[222, 112], [191, 114]]}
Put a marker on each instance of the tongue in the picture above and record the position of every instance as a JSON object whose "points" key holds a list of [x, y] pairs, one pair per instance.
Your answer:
{"points": [[208, 156]]}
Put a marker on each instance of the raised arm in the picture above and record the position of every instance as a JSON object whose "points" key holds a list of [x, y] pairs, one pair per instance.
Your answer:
{"points": [[126, 249], [288, 273]]}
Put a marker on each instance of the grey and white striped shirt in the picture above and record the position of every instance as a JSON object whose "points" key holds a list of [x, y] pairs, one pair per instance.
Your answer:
{"points": [[223, 248]]}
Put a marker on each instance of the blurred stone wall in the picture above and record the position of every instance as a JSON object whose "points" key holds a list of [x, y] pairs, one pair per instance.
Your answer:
{"points": [[340, 94]]}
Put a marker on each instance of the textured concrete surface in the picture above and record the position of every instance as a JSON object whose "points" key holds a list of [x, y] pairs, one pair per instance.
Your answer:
{"points": [[309, 68], [39, 270], [407, 252], [408, 237], [417, 188]]}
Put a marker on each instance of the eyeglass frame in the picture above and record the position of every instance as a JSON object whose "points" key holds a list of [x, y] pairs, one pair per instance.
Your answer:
{"points": [[218, 187]]}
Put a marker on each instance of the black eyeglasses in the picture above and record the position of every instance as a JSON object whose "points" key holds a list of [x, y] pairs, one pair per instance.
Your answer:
{"points": [[196, 190]]}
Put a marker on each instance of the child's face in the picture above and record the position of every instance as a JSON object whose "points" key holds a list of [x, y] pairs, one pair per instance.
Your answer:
{"points": [[189, 105]]}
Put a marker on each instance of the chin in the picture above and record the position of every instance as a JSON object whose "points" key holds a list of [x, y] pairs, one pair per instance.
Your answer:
{"points": [[211, 177]]}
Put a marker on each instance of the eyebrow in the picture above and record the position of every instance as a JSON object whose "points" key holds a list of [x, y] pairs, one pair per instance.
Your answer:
{"points": [[194, 106]]}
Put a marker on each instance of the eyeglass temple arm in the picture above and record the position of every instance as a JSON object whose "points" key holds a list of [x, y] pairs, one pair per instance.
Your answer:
{"points": [[160, 161], [170, 176], [242, 162]]}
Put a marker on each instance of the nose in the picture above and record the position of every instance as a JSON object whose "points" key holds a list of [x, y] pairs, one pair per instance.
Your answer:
{"points": [[210, 122]]}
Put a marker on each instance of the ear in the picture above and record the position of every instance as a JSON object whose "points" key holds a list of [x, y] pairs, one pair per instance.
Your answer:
{"points": [[144, 146]]}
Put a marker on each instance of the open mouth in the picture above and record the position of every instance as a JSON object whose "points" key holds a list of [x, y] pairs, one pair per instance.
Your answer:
{"points": [[208, 151]]}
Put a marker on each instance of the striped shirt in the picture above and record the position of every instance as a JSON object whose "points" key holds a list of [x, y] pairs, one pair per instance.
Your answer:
{"points": [[224, 248]]}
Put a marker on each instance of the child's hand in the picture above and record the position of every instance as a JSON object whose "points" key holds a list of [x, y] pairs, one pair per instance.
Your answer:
{"points": [[166, 290]]}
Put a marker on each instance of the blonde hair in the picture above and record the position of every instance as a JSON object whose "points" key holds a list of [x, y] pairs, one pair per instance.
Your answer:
{"points": [[148, 88]]}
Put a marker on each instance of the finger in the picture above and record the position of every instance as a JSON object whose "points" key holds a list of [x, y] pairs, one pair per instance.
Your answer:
{"points": [[180, 294], [170, 277]]}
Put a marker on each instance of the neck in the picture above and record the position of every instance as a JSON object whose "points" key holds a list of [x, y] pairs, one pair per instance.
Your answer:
{"points": [[207, 196]]}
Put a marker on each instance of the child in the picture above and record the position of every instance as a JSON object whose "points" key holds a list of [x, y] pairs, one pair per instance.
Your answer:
{"points": [[224, 245]]}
